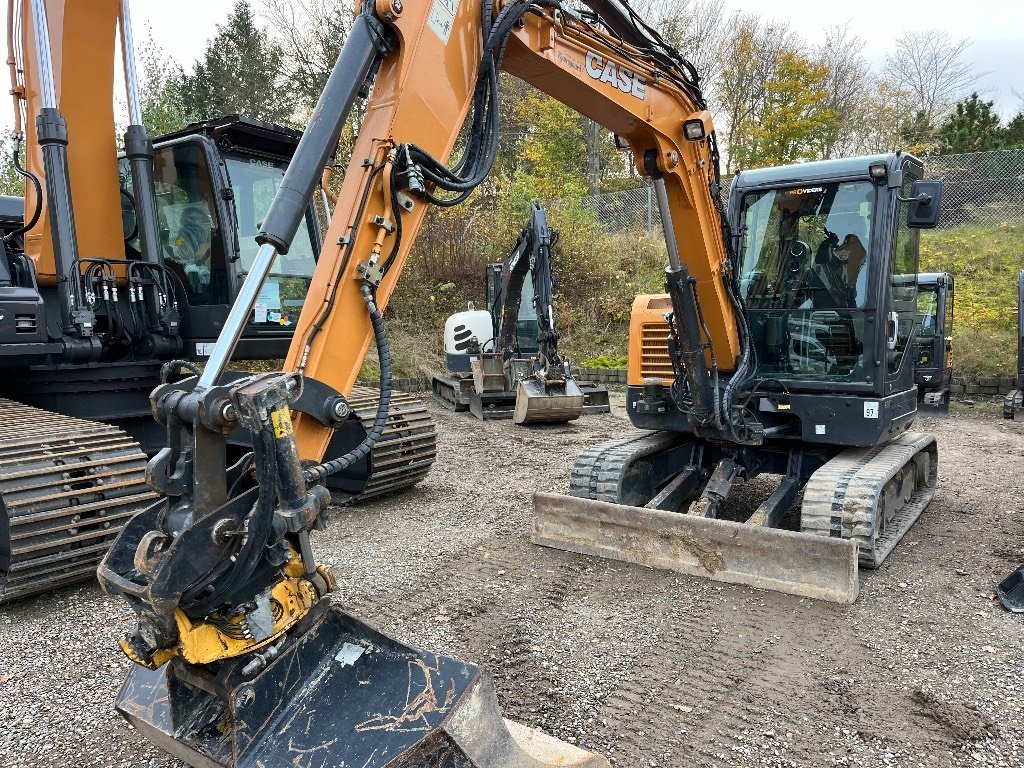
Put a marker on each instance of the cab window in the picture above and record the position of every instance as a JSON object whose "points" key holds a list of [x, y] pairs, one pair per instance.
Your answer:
{"points": [[254, 183], [190, 237]]}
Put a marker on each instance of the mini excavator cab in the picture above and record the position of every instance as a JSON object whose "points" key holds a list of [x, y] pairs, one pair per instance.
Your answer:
{"points": [[214, 183]]}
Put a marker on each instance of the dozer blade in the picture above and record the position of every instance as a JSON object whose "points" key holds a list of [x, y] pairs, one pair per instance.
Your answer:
{"points": [[769, 558], [537, 402], [595, 399], [339, 694], [1011, 591]]}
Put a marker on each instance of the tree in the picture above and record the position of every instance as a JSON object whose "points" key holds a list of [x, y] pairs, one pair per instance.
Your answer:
{"points": [[552, 148], [748, 59], [241, 71], [1013, 133], [847, 82], [918, 134], [695, 28], [11, 182], [311, 33], [929, 66], [972, 127], [881, 119], [161, 90], [791, 118]]}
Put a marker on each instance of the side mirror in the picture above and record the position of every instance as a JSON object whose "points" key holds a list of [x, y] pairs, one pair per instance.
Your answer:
{"points": [[925, 204]]}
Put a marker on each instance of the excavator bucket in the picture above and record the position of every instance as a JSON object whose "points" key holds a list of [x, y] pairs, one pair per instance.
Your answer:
{"points": [[343, 694], [739, 553], [1011, 591], [538, 401]]}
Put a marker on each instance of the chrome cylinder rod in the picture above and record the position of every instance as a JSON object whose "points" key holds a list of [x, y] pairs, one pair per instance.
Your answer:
{"points": [[42, 40], [234, 326], [130, 74], [674, 263]]}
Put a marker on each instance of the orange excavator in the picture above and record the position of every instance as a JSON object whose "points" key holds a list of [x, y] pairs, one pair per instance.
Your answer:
{"points": [[242, 655], [110, 268]]}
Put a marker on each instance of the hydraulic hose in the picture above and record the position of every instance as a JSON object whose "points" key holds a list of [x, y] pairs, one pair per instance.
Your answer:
{"points": [[318, 473], [39, 194]]}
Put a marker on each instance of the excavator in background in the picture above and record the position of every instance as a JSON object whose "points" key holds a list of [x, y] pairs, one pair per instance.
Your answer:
{"points": [[934, 331], [503, 362], [785, 346], [1011, 589], [121, 266], [1014, 401]]}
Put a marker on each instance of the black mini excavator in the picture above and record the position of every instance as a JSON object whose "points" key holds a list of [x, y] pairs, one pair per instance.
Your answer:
{"points": [[113, 267], [933, 372], [504, 362]]}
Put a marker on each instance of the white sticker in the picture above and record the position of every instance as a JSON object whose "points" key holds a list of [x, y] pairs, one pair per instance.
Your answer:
{"points": [[270, 295], [442, 18], [819, 429], [260, 312], [204, 348], [349, 654], [871, 410]]}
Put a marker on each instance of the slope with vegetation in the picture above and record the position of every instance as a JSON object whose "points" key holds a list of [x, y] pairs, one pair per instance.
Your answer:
{"points": [[776, 99]]}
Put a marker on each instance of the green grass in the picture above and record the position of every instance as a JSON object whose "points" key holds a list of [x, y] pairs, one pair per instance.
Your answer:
{"points": [[984, 262]]}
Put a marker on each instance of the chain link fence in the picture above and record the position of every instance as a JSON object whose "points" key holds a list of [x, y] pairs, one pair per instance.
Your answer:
{"points": [[981, 188]]}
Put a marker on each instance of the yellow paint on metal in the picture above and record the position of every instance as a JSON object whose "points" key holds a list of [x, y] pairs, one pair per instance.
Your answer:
{"points": [[282, 421], [202, 642]]}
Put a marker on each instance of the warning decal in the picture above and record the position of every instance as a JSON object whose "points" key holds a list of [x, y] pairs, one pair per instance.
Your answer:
{"points": [[442, 18]]}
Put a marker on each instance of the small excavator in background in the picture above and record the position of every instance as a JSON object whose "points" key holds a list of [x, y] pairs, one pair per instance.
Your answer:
{"points": [[793, 355], [503, 362], [1014, 401], [934, 330], [120, 267], [1011, 589]]}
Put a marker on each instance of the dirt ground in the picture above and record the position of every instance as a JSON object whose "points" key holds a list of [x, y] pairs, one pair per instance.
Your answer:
{"points": [[647, 667]]}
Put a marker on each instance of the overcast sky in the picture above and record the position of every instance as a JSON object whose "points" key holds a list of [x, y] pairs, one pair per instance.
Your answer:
{"points": [[182, 27]]}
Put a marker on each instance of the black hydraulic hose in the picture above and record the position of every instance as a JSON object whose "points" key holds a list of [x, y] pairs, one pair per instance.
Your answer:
{"points": [[39, 195], [168, 368], [316, 474]]}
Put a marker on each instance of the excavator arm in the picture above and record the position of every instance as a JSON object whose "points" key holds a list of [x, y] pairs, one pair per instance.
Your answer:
{"points": [[530, 256], [221, 571]]}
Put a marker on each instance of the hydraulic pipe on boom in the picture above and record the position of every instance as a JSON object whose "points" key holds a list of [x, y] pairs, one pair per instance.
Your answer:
{"points": [[52, 132]]}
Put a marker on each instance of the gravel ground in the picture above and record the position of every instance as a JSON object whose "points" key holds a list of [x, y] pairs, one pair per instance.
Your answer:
{"points": [[650, 668]]}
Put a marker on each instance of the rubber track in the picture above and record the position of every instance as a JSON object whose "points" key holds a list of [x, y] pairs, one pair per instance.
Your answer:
{"points": [[600, 470], [67, 487], [407, 449], [843, 499]]}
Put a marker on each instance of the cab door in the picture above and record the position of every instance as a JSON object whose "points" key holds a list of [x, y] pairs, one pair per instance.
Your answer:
{"points": [[901, 304]]}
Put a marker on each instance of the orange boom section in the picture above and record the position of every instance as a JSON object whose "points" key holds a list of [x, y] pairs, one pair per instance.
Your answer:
{"points": [[82, 43], [422, 95]]}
